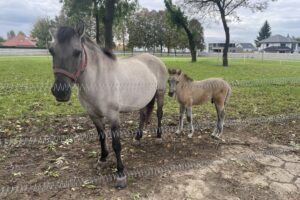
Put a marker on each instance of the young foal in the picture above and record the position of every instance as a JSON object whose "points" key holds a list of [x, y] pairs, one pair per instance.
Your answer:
{"points": [[189, 93]]}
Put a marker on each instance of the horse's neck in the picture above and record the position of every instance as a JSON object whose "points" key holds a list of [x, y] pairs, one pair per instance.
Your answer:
{"points": [[98, 71]]}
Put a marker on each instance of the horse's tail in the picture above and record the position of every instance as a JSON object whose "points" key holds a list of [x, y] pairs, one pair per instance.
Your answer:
{"points": [[149, 111], [229, 92]]}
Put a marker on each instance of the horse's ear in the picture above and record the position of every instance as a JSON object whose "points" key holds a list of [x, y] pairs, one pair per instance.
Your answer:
{"points": [[178, 71], [52, 31], [80, 29]]}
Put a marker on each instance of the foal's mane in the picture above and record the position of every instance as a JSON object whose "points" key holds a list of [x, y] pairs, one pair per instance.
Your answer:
{"points": [[65, 33], [187, 78]]}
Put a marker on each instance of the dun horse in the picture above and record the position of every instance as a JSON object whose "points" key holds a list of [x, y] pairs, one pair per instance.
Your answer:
{"points": [[189, 93], [107, 86]]}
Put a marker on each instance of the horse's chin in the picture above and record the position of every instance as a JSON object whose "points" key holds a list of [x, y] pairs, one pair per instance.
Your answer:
{"points": [[171, 94], [63, 99]]}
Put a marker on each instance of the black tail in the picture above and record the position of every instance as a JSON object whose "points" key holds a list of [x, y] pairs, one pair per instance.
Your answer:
{"points": [[150, 108]]}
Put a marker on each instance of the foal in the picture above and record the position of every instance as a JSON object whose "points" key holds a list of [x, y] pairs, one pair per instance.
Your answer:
{"points": [[189, 92]]}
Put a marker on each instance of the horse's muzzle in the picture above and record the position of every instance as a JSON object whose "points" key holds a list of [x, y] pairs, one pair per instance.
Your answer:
{"points": [[62, 92]]}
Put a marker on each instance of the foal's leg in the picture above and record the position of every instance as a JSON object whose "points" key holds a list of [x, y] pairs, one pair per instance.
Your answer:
{"points": [[116, 144], [190, 120], [182, 110], [99, 123], [160, 103], [220, 120]]}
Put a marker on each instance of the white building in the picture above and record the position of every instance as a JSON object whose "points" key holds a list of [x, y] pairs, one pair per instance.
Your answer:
{"points": [[279, 44]]}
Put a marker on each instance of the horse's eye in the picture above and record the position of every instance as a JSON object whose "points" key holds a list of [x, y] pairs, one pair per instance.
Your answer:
{"points": [[51, 50], [76, 53]]}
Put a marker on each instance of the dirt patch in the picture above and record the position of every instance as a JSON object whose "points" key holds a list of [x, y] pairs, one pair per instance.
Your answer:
{"points": [[64, 160]]}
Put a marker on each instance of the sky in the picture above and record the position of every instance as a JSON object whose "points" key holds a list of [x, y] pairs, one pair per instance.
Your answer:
{"points": [[283, 16]]}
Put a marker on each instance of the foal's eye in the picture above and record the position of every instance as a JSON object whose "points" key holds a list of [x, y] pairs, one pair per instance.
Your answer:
{"points": [[51, 50], [76, 53]]}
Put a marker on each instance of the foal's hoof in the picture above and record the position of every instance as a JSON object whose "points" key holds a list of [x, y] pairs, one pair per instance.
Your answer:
{"points": [[190, 135], [217, 138], [178, 132], [121, 182], [158, 141]]}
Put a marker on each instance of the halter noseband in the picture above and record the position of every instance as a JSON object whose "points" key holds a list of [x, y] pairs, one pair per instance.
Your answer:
{"points": [[74, 76]]}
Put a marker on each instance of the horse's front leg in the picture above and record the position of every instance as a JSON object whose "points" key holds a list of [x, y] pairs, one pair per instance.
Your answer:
{"points": [[160, 94], [181, 117], [99, 123], [116, 144], [189, 117]]}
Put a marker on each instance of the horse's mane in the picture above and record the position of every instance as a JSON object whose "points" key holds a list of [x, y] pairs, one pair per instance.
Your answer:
{"points": [[65, 33]]}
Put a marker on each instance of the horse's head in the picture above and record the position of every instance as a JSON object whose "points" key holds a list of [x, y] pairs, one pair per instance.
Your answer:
{"points": [[69, 59], [173, 80]]}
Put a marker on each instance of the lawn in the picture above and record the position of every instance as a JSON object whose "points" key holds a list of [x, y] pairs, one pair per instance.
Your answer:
{"points": [[259, 88]]}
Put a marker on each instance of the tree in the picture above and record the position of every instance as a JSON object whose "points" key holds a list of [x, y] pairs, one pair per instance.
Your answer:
{"points": [[226, 9], [1, 40], [197, 31], [21, 33], [105, 13], [264, 33], [41, 32], [11, 34], [177, 16]]}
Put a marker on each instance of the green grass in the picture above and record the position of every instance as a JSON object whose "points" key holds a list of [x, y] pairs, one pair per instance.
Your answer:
{"points": [[267, 98]]}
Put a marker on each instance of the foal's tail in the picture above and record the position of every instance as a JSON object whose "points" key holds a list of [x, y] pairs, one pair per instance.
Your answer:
{"points": [[229, 92]]}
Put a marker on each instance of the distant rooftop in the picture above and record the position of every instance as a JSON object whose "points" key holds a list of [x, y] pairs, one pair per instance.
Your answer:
{"points": [[278, 39], [247, 45], [19, 41]]}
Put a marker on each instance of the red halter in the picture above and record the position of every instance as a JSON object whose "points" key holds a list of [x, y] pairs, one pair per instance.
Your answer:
{"points": [[74, 76]]}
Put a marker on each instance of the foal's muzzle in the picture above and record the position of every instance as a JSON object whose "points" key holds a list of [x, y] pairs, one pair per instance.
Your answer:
{"points": [[171, 94], [62, 91]]}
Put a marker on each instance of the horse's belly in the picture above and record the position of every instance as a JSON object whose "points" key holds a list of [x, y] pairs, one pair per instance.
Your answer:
{"points": [[136, 95]]}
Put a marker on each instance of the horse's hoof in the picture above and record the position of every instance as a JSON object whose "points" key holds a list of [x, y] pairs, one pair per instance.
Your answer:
{"points": [[178, 132], [136, 142], [121, 182], [158, 141], [190, 135]]}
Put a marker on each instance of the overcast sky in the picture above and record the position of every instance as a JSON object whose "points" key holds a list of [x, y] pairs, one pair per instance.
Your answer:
{"points": [[283, 16]]}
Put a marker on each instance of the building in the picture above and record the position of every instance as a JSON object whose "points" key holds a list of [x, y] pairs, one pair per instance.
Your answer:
{"points": [[233, 47], [279, 44], [218, 47], [245, 47], [19, 41]]}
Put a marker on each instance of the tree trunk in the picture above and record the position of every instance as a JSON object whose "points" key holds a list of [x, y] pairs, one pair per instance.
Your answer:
{"points": [[191, 44], [108, 23], [161, 49], [124, 48], [227, 38], [96, 15]]}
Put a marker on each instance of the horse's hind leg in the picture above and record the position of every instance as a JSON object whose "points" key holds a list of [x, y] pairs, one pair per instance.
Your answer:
{"points": [[218, 131], [190, 120], [160, 103], [144, 117]]}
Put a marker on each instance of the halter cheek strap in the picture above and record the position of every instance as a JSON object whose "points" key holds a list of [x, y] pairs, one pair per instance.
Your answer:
{"points": [[74, 76]]}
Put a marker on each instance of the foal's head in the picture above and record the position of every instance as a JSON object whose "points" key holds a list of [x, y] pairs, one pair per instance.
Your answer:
{"points": [[174, 75], [68, 59]]}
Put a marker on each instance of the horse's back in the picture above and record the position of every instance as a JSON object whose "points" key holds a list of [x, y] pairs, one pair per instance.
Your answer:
{"points": [[156, 66]]}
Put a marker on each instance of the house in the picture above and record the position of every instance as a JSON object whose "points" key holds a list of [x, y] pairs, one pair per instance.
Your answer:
{"points": [[218, 47], [19, 41], [245, 47], [279, 44], [233, 47]]}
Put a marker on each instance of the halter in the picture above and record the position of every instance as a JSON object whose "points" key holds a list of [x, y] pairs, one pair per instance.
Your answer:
{"points": [[74, 76]]}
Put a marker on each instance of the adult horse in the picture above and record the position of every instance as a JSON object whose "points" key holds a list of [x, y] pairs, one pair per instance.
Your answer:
{"points": [[107, 86]]}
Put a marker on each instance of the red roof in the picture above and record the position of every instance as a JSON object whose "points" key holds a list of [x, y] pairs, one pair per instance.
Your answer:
{"points": [[19, 41]]}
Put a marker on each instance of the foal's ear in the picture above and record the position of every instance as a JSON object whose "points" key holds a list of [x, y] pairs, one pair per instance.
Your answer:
{"points": [[170, 71], [178, 71], [80, 29]]}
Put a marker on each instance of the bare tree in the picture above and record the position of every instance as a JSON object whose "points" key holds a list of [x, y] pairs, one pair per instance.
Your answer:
{"points": [[226, 9]]}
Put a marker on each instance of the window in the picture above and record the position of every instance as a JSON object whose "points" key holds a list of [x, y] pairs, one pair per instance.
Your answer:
{"points": [[267, 44], [283, 45]]}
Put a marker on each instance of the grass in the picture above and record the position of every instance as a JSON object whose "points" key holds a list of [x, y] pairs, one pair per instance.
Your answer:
{"points": [[26, 81]]}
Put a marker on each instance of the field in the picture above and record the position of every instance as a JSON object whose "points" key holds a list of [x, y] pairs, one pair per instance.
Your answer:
{"points": [[260, 90]]}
